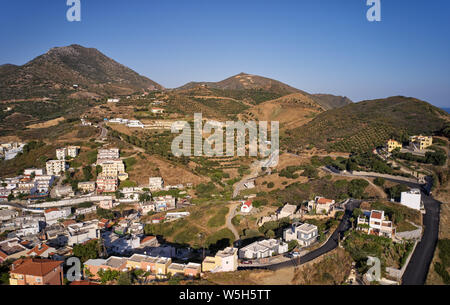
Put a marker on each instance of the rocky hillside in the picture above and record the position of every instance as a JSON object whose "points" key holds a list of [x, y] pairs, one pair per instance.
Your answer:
{"points": [[55, 72]]}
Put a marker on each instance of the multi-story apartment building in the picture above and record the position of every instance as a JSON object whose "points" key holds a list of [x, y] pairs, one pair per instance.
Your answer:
{"points": [[155, 183], [86, 186], [55, 167], [106, 184], [420, 142], [113, 168], [72, 151], [61, 153]]}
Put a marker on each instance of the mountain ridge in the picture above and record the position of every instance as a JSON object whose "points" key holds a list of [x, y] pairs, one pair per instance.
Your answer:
{"points": [[57, 70]]}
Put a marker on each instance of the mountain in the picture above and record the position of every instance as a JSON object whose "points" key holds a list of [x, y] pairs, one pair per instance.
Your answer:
{"points": [[257, 89], [365, 125], [328, 101], [56, 71], [244, 81]]}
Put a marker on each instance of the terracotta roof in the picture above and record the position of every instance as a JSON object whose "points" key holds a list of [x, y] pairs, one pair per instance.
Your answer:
{"points": [[36, 267], [39, 249], [3, 254], [324, 200], [375, 214], [147, 238], [248, 203], [68, 222], [51, 210]]}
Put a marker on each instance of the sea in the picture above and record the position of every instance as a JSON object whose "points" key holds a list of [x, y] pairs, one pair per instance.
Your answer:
{"points": [[446, 109]]}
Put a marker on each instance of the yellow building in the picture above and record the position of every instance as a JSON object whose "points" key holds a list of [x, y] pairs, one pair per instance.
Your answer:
{"points": [[421, 142], [392, 144], [162, 265], [113, 168], [225, 261], [175, 268], [210, 263]]}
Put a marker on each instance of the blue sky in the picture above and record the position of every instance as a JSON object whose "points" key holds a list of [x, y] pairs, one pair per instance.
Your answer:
{"points": [[320, 46]]}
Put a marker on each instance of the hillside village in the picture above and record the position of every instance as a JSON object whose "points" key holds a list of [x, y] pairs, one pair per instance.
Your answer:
{"points": [[92, 176], [106, 221]]}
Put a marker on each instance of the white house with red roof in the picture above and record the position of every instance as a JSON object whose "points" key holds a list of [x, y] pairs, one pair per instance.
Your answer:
{"points": [[376, 223], [246, 206], [321, 205]]}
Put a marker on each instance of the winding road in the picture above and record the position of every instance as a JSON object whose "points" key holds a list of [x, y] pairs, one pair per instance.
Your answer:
{"points": [[331, 244], [417, 270]]}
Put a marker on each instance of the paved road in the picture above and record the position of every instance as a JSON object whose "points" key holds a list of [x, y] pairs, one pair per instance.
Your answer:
{"points": [[417, 270], [104, 131], [330, 245]]}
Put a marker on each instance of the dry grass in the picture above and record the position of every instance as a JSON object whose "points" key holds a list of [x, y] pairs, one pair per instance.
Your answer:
{"points": [[46, 124]]}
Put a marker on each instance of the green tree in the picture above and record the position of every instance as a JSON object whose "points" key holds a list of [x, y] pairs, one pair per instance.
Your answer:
{"points": [[89, 250]]}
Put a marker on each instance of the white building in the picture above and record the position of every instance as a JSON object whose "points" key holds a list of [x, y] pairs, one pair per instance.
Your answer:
{"points": [[305, 234], [321, 205], [147, 207], [164, 203], [82, 232], [246, 206], [28, 227], [72, 151], [55, 167], [43, 183], [8, 214], [376, 223], [263, 249], [155, 183], [113, 100], [111, 154], [84, 211], [11, 150], [135, 124], [61, 153], [53, 215], [412, 199], [249, 184], [64, 191], [36, 171]]}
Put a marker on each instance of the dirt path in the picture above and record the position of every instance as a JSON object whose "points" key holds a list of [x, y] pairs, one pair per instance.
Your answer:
{"points": [[229, 217]]}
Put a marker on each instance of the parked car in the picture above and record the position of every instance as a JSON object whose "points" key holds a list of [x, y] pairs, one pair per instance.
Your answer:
{"points": [[247, 262]]}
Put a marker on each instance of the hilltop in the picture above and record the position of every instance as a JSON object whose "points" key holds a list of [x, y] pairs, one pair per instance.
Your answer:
{"points": [[367, 124], [55, 72], [255, 89]]}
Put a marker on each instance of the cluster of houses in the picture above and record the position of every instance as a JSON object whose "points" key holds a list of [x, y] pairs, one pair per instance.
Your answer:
{"points": [[34, 183], [10, 150], [418, 143], [318, 206]]}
